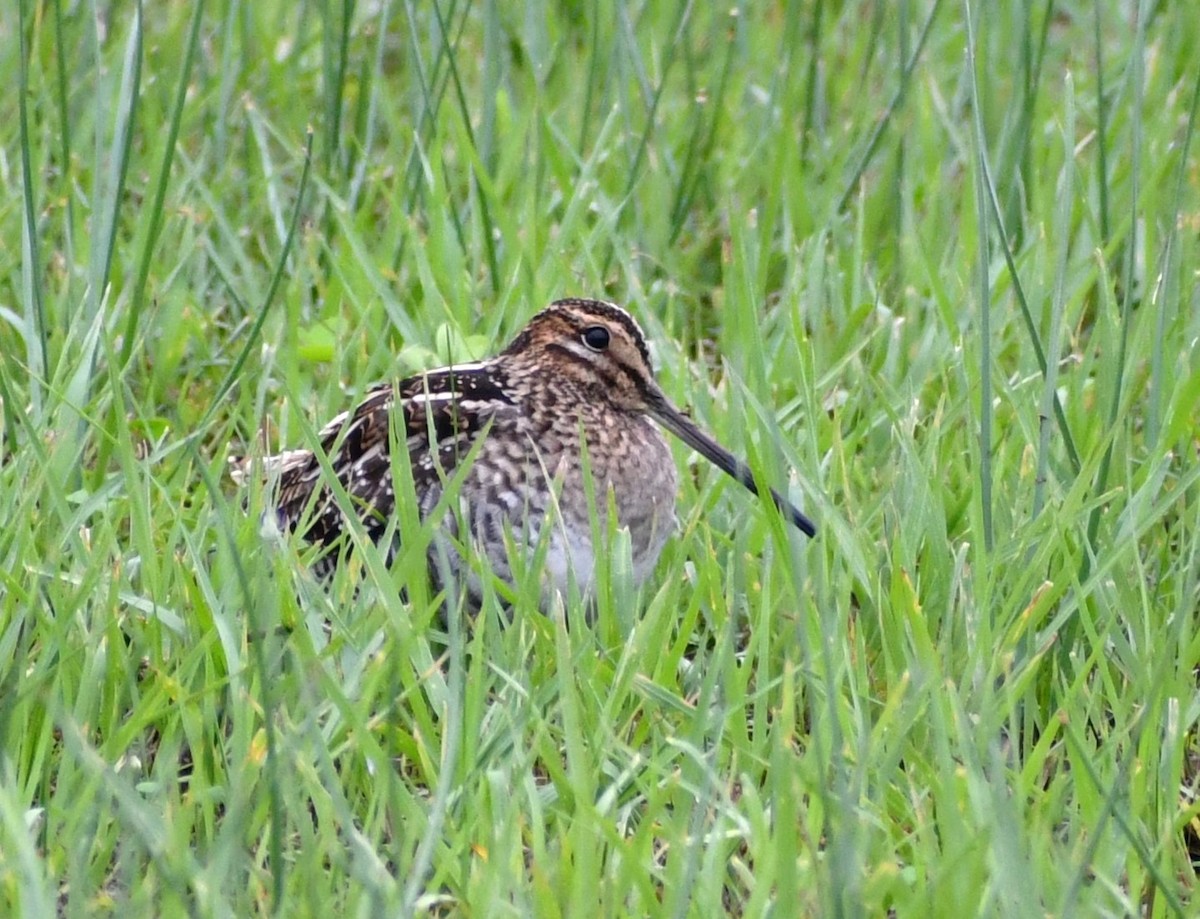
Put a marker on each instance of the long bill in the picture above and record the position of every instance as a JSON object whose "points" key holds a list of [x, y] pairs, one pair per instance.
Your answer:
{"points": [[666, 414]]}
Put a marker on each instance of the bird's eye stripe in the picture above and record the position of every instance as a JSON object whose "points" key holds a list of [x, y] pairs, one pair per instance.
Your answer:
{"points": [[573, 350]]}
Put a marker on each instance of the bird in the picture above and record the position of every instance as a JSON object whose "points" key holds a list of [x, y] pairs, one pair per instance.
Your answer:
{"points": [[569, 408]]}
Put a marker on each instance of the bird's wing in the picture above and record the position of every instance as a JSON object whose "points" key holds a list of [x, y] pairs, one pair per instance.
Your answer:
{"points": [[443, 412]]}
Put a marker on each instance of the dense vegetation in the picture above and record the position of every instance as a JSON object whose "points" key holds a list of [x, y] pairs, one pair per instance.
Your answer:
{"points": [[936, 260]]}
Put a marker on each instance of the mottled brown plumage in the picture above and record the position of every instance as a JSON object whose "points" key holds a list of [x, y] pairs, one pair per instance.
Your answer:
{"points": [[577, 376]]}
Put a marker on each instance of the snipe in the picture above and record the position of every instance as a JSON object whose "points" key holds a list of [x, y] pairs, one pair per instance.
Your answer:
{"points": [[575, 382]]}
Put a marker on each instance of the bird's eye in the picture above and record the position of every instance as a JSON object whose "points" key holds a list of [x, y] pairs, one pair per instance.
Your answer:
{"points": [[596, 337]]}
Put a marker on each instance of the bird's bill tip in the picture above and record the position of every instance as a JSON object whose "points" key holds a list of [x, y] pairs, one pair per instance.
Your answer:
{"points": [[703, 443]]}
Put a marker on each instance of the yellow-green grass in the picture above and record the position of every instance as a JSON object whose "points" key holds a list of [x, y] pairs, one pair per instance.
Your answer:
{"points": [[935, 260]]}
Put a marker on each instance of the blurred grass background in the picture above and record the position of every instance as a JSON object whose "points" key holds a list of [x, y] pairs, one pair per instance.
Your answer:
{"points": [[936, 259]]}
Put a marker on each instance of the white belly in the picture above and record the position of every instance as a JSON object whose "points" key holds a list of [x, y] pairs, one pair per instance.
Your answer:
{"points": [[572, 555]]}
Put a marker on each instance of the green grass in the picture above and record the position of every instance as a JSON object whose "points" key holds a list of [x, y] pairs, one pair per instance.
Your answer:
{"points": [[935, 260]]}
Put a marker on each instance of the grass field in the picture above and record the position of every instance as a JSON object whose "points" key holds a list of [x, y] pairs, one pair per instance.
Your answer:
{"points": [[934, 261]]}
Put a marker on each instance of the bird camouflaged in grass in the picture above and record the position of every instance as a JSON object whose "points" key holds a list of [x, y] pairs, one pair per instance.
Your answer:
{"points": [[577, 378]]}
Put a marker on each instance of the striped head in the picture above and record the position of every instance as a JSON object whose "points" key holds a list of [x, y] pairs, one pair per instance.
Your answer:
{"points": [[595, 345]]}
